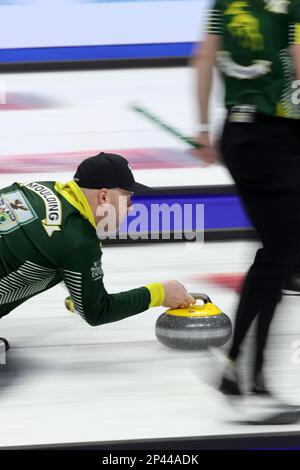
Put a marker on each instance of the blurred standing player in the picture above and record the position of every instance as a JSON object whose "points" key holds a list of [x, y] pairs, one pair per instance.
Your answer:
{"points": [[48, 235], [256, 47]]}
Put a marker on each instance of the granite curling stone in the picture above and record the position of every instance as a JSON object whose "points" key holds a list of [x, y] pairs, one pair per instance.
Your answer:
{"points": [[194, 328]]}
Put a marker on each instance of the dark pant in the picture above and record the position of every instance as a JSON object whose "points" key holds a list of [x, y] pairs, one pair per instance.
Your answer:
{"points": [[263, 158]]}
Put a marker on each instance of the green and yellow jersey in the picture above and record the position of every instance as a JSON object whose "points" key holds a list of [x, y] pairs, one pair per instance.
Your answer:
{"points": [[255, 57], [47, 236]]}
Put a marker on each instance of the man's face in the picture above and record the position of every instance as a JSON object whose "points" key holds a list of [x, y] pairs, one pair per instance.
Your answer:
{"points": [[113, 206], [121, 199]]}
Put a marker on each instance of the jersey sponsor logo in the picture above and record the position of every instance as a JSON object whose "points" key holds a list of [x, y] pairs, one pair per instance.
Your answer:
{"points": [[230, 68], [96, 271], [244, 25], [52, 203], [15, 211]]}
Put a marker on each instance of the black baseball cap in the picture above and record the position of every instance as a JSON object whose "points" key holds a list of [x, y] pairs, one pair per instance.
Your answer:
{"points": [[107, 170]]}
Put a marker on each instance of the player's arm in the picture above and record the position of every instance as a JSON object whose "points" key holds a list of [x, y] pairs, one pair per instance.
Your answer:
{"points": [[204, 61], [83, 276]]}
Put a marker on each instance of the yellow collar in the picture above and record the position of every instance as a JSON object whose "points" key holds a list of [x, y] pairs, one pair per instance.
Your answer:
{"points": [[73, 194]]}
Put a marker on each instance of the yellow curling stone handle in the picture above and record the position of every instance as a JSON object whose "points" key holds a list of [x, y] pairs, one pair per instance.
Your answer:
{"points": [[208, 309]]}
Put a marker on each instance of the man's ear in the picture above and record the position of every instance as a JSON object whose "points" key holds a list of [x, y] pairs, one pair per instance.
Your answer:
{"points": [[102, 196]]}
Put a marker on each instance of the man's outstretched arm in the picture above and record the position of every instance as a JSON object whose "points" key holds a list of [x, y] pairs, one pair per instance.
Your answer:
{"points": [[83, 276]]}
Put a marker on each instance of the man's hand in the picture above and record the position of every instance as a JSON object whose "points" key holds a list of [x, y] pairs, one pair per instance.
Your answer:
{"points": [[176, 295], [208, 153]]}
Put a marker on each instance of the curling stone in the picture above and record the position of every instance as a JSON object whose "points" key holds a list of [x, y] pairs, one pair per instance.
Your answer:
{"points": [[194, 328]]}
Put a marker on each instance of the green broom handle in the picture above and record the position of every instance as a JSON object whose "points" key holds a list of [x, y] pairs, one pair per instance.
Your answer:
{"points": [[163, 125]]}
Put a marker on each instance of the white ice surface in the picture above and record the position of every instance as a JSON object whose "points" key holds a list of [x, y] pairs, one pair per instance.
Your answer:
{"points": [[68, 382]]}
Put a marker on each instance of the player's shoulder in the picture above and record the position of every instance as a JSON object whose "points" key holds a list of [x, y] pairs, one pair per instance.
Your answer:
{"points": [[219, 5], [64, 208], [78, 229]]}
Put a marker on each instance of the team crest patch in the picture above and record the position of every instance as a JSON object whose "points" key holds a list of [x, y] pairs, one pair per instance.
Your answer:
{"points": [[244, 25], [15, 210]]}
